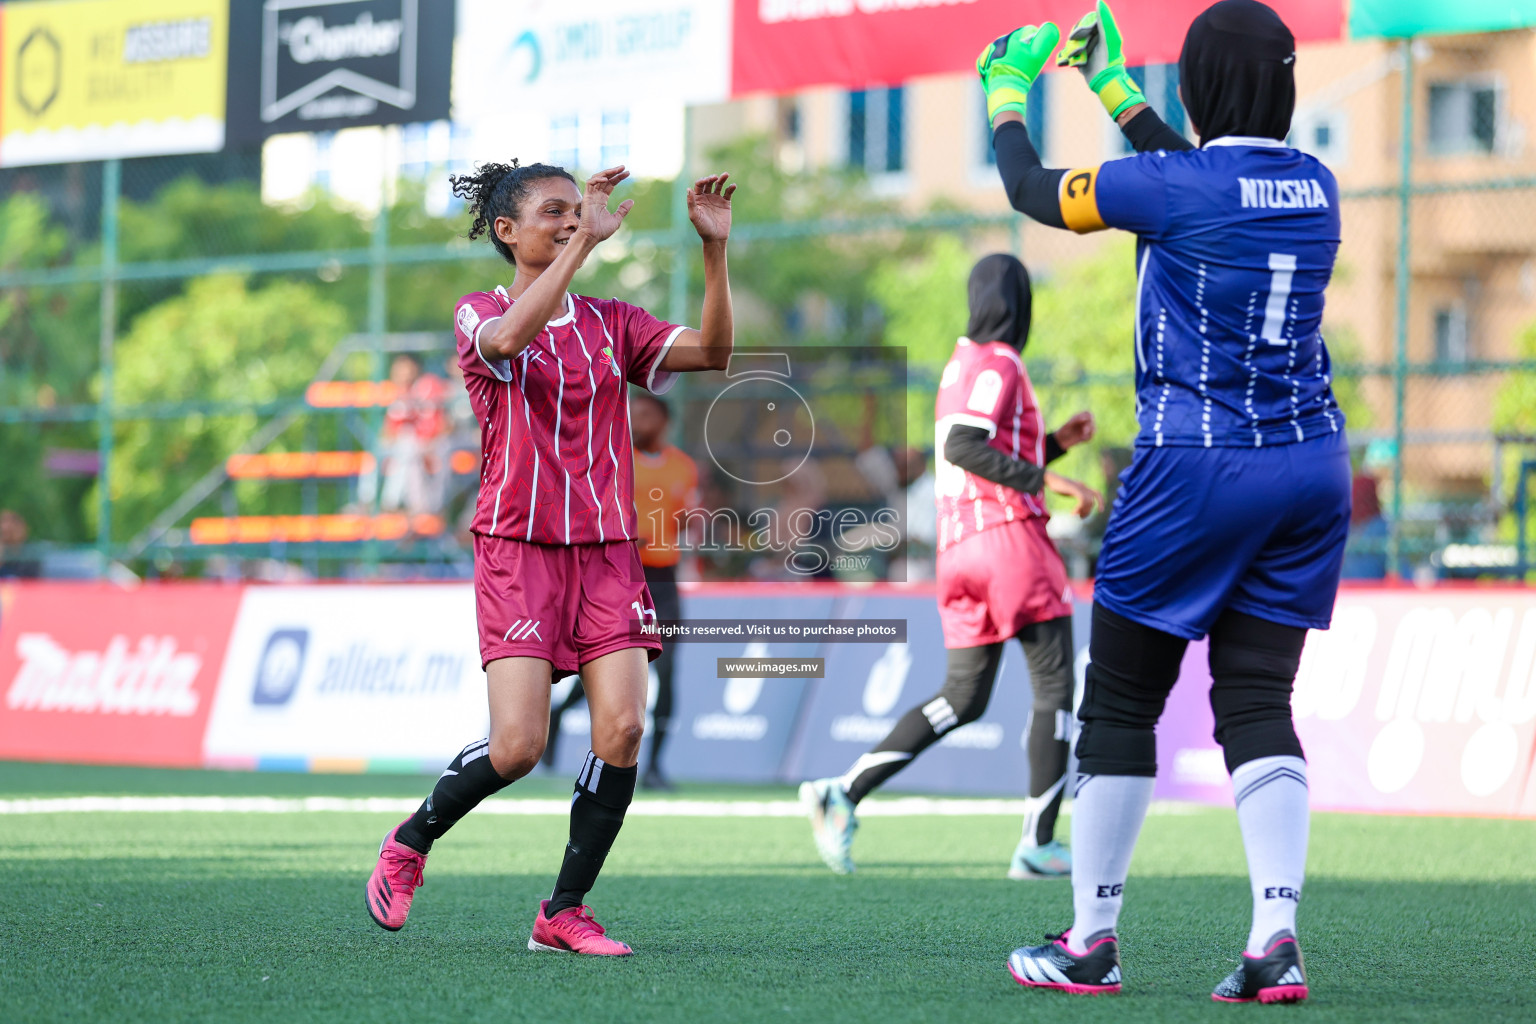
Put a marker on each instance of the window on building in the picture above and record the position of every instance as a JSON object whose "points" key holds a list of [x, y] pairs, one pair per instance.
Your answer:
{"points": [[615, 140], [565, 141], [1322, 133], [415, 152], [1451, 337], [1464, 116], [789, 119], [324, 144], [1160, 84], [876, 136], [1034, 119]]}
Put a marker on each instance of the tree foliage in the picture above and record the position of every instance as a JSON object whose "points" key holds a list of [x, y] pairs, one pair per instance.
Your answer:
{"points": [[222, 340]]}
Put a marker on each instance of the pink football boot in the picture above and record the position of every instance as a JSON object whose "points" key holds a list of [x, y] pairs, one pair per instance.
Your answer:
{"points": [[572, 931], [395, 880]]}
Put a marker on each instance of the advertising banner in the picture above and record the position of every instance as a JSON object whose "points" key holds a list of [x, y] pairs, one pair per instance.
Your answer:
{"points": [[555, 55], [869, 687], [93, 673], [347, 676], [784, 45], [323, 65], [92, 79], [1415, 701], [1398, 18], [723, 729]]}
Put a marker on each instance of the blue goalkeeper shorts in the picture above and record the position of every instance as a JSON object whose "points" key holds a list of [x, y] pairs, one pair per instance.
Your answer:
{"points": [[1195, 531]]}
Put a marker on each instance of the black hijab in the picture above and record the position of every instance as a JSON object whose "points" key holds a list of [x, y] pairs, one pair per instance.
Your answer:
{"points": [[1000, 301], [1237, 70]]}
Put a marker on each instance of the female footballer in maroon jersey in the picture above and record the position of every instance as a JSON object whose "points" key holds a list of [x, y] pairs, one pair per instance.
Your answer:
{"points": [[558, 583]]}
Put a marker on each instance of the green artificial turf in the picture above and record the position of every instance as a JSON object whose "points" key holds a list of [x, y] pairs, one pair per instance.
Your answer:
{"points": [[232, 917]]}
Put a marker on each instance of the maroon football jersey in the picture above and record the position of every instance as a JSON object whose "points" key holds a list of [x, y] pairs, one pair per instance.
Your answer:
{"points": [[558, 466]]}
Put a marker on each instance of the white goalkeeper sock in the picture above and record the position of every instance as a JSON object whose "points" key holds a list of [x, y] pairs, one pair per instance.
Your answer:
{"points": [[1271, 795], [1107, 812]]}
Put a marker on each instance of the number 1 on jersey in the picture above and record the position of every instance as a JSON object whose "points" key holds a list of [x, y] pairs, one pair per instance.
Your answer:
{"points": [[1282, 266]]}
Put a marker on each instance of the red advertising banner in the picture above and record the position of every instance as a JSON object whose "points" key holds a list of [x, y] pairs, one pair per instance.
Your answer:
{"points": [[784, 45], [94, 673]]}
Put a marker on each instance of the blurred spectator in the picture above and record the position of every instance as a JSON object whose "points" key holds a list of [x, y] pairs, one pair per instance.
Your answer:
{"points": [[904, 485], [922, 523], [14, 563], [796, 540], [1366, 556], [414, 442]]}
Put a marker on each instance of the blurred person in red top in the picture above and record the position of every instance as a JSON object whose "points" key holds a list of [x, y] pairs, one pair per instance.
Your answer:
{"points": [[13, 540], [413, 441], [558, 583], [666, 489]]}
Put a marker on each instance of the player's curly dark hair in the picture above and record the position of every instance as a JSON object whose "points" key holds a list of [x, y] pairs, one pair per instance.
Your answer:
{"points": [[496, 190]]}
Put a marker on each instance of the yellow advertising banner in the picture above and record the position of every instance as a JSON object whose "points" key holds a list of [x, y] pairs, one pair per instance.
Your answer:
{"points": [[91, 79]]}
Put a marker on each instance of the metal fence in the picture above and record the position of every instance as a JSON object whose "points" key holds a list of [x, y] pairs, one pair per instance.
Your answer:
{"points": [[156, 318]]}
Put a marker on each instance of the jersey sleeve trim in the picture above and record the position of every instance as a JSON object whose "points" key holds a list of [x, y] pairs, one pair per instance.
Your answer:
{"points": [[964, 419], [663, 384], [1080, 201], [501, 369]]}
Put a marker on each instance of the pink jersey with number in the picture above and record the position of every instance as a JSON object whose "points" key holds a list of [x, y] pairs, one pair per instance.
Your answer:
{"points": [[554, 420], [985, 385]]}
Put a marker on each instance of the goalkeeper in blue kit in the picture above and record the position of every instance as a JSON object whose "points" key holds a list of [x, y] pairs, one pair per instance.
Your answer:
{"points": [[1230, 522]]}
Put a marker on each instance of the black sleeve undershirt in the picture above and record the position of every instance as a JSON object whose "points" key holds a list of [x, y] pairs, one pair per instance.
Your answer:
{"points": [[1147, 133], [967, 448], [1032, 189]]}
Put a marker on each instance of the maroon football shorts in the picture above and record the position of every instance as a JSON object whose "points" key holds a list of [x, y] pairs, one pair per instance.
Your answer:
{"points": [[568, 604]]}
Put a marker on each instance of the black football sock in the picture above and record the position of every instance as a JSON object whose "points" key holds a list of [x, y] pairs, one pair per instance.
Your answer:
{"points": [[912, 734], [968, 678], [1049, 651], [467, 781], [603, 793], [1048, 747]]}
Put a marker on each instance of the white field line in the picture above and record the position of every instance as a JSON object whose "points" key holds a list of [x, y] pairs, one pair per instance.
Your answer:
{"points": [[896, 807]]}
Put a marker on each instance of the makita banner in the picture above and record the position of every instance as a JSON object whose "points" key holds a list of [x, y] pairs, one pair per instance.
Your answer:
{"points": [[322, 65], [785, 45], [100, 674]]}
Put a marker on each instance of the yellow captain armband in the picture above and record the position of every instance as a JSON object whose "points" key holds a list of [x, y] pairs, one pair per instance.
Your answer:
{"points": [[1080, 201]]}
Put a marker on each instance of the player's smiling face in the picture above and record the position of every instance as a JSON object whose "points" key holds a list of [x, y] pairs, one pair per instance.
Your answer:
{"points": [[545, 222]]}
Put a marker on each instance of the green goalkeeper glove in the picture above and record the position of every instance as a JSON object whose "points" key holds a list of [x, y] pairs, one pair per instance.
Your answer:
{"points": [[1010, 64], [1095, 49]]}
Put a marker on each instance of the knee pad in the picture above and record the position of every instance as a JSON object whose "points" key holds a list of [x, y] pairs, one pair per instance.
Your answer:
{"points": [[1253, 669], [1133, 669]]}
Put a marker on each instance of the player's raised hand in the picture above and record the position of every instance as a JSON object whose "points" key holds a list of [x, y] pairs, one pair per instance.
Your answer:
{"points": [[1076, 430], [596, 219], [1086, 497], [709, 207], [1096, 48], [1009, 65]]}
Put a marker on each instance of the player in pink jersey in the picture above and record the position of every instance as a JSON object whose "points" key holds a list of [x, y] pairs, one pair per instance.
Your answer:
{"points": [[999, 575], [558, 583]]}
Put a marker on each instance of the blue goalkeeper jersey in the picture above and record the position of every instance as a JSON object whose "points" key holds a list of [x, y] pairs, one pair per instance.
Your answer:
{"points": [[1236, 245]]}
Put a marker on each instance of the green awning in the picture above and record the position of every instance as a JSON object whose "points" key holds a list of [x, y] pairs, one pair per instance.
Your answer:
{"points": [[1398, 18]]}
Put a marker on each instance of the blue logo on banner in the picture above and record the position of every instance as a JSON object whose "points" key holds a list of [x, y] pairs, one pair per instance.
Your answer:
{"points": [[280, 667]]}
